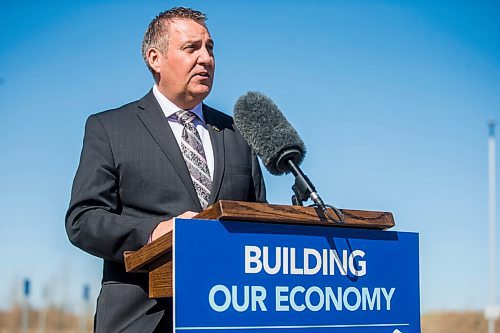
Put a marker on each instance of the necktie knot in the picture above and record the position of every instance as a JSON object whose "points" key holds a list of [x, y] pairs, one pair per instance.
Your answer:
{"points": [[185, 117]]}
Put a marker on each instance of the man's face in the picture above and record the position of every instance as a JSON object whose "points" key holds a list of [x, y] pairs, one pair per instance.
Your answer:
{"points": [[187, 67]]}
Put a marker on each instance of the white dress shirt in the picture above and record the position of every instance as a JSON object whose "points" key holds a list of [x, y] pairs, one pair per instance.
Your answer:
{"points": [[169, 109]]}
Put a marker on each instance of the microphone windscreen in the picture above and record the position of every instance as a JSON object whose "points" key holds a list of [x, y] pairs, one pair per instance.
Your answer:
{"points": [[268, 132]]}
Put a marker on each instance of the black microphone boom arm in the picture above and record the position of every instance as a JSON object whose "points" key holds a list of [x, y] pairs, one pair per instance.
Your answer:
{"points": [[304, 189]]}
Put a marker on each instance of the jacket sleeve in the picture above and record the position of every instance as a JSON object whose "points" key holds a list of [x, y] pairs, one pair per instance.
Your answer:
{"points": [[93, 221]]}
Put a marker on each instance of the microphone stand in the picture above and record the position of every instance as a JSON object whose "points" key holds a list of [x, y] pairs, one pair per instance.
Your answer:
{"points": [[304, 189]]}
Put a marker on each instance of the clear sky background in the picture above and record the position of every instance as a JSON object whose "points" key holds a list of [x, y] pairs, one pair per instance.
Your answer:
{"points": [[391, 98]]}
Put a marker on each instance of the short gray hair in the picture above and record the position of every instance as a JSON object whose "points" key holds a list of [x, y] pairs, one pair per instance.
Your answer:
{"points": [[157, 33]]}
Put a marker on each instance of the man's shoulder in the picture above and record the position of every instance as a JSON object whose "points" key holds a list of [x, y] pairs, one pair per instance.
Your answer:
{"points": [[125, 111], [216, 117], [120, 111]]}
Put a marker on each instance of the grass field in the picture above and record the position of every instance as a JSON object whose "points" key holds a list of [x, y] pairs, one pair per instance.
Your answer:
{"points": [[60, 321], [53, 320]]}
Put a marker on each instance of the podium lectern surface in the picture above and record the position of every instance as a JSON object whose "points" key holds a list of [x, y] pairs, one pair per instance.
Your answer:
{"points": [[257, 277]]}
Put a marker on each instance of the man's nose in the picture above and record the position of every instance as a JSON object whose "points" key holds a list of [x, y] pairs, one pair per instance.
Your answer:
{"points": [[205, 56]]}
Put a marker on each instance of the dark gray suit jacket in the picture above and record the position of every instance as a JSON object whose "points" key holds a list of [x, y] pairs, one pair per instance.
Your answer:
{"points": [[132, 176]]}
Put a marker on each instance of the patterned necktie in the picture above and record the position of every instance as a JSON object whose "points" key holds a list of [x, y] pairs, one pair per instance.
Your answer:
{"points": [[194, 155]]}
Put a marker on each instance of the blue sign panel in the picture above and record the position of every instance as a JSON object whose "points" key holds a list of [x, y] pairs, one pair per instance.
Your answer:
{"points": [[257, 277], [86, 293], [26, 287]]}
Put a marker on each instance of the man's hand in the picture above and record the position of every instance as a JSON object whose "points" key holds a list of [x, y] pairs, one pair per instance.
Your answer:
{"points": [[165, 227]]}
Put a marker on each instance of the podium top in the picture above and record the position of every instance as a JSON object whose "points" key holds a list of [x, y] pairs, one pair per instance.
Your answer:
{"points": [[259, 212], [265, 213]]}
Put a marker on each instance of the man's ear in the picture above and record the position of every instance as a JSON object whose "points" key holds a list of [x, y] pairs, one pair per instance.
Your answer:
{"points": [[154, 59]]}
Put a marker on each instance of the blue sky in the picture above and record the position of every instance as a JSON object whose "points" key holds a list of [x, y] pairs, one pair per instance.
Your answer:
{"points": [[391, 99]]}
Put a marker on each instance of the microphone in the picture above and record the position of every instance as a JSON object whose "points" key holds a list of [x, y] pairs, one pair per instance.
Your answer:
{"points": [[268, 132], [277, 143]]}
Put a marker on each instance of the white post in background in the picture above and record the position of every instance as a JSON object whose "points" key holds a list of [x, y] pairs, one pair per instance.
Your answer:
{"points": [[42, 317], [491, 310]]}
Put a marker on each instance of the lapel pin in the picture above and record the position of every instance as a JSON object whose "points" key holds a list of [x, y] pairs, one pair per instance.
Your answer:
{"points": [[215, 128]]}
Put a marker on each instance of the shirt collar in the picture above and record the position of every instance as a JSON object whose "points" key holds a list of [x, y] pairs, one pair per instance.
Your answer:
{"points": [[169, 108]]}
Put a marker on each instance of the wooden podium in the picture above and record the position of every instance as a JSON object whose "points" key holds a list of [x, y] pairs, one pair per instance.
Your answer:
{"points": [[156, 258]]}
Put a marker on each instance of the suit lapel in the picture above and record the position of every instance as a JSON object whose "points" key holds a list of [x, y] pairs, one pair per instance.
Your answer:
{"points": [[216, 133], [152, 117]]}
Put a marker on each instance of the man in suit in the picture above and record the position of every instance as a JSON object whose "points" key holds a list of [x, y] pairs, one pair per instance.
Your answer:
{"points": [[144, 163]]}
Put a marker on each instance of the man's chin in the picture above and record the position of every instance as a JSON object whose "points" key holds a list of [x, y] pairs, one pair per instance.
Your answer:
{"points": [[200, 92]]}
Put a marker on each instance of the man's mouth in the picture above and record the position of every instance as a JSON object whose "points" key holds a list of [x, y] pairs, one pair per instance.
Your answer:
{"points": [[203, 74]]}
